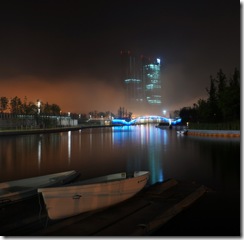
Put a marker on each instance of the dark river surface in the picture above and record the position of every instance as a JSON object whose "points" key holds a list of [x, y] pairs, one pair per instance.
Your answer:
{"points": [[214, 162]]}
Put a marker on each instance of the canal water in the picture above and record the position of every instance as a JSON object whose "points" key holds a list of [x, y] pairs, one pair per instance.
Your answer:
{"points": [[213, 162]]}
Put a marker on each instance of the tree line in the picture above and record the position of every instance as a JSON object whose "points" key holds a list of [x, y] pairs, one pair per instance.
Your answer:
{"points": [[122, 113], [222, 104], [17, 106]]}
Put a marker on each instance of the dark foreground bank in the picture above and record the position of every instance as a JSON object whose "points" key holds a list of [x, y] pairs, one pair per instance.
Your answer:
{"points": [[206, 214], [212, 215]]}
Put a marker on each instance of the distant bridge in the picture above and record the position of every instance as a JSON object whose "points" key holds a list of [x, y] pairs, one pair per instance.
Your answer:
{"points": [[147, 119]]}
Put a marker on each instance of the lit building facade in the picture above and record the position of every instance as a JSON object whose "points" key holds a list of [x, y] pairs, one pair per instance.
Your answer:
{"points": [[152, 82], [142, 83], [131, 78]]}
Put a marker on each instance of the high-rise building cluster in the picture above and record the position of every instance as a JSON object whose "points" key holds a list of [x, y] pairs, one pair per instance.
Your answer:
{"points": [[142, 83]]}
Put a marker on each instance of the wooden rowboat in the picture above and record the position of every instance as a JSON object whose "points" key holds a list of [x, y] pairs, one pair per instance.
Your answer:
{"points": [[13, 191], [92, 194]]}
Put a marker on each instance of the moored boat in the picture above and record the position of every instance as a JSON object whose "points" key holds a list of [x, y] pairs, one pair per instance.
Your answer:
{"points": [[182, 132], [92, 194], [16, 190]]}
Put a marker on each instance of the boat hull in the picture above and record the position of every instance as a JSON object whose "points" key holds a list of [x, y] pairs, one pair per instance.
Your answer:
{"points": [[68, 201], [17, 190]]}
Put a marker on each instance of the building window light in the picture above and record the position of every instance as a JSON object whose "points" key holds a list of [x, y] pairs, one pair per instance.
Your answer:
{"points": [[149, 86]]}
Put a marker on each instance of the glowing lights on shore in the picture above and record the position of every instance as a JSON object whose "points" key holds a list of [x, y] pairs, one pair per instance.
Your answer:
{"points": [[38, 106]]}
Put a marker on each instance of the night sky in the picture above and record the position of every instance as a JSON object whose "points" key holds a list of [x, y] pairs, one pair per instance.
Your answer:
{"points": [[68, 52]]}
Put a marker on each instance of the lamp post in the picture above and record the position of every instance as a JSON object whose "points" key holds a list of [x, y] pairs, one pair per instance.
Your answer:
{"points": [[69, 118], [38, 106], [38, 111], [164, 112]]}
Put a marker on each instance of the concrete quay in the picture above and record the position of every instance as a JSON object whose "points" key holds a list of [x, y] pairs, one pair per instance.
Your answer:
{"points": [[13, 132], [191, 132], [214, 133]]}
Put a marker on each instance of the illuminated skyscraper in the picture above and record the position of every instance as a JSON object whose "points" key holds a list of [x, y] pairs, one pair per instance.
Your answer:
{"points": [[142, 83], [132, 78], [152, 82]]}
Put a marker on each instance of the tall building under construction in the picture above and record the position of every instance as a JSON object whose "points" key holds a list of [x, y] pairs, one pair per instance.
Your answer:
{"points": [[142, 83]]}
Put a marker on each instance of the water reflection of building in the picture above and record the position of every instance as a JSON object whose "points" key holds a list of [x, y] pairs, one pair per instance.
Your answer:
{"points": [[147, 155], [142, 83]]}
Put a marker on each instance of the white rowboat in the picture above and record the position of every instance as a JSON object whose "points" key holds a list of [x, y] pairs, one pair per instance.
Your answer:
{"points": [[20, 189], [92, 194]]}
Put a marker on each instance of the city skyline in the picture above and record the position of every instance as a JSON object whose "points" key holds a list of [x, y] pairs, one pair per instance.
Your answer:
{"points": [[140, 76], [66, 53]]}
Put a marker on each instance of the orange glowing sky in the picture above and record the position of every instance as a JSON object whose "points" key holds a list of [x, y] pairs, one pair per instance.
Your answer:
{"points": [[70, 94]]}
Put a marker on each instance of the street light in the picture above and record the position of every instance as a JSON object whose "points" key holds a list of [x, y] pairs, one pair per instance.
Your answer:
{"points": [[38, 105]]}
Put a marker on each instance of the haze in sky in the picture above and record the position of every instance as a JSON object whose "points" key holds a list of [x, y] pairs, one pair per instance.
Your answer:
{"points": [[68, 53]]}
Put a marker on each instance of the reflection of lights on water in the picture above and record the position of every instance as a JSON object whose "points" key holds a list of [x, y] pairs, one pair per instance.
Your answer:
{"points": [[69, 145], [80, 148], [90, 142], [39, 152], [101, 139], [142, 132], [155, 155], [161, 176], [149, 143]]}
